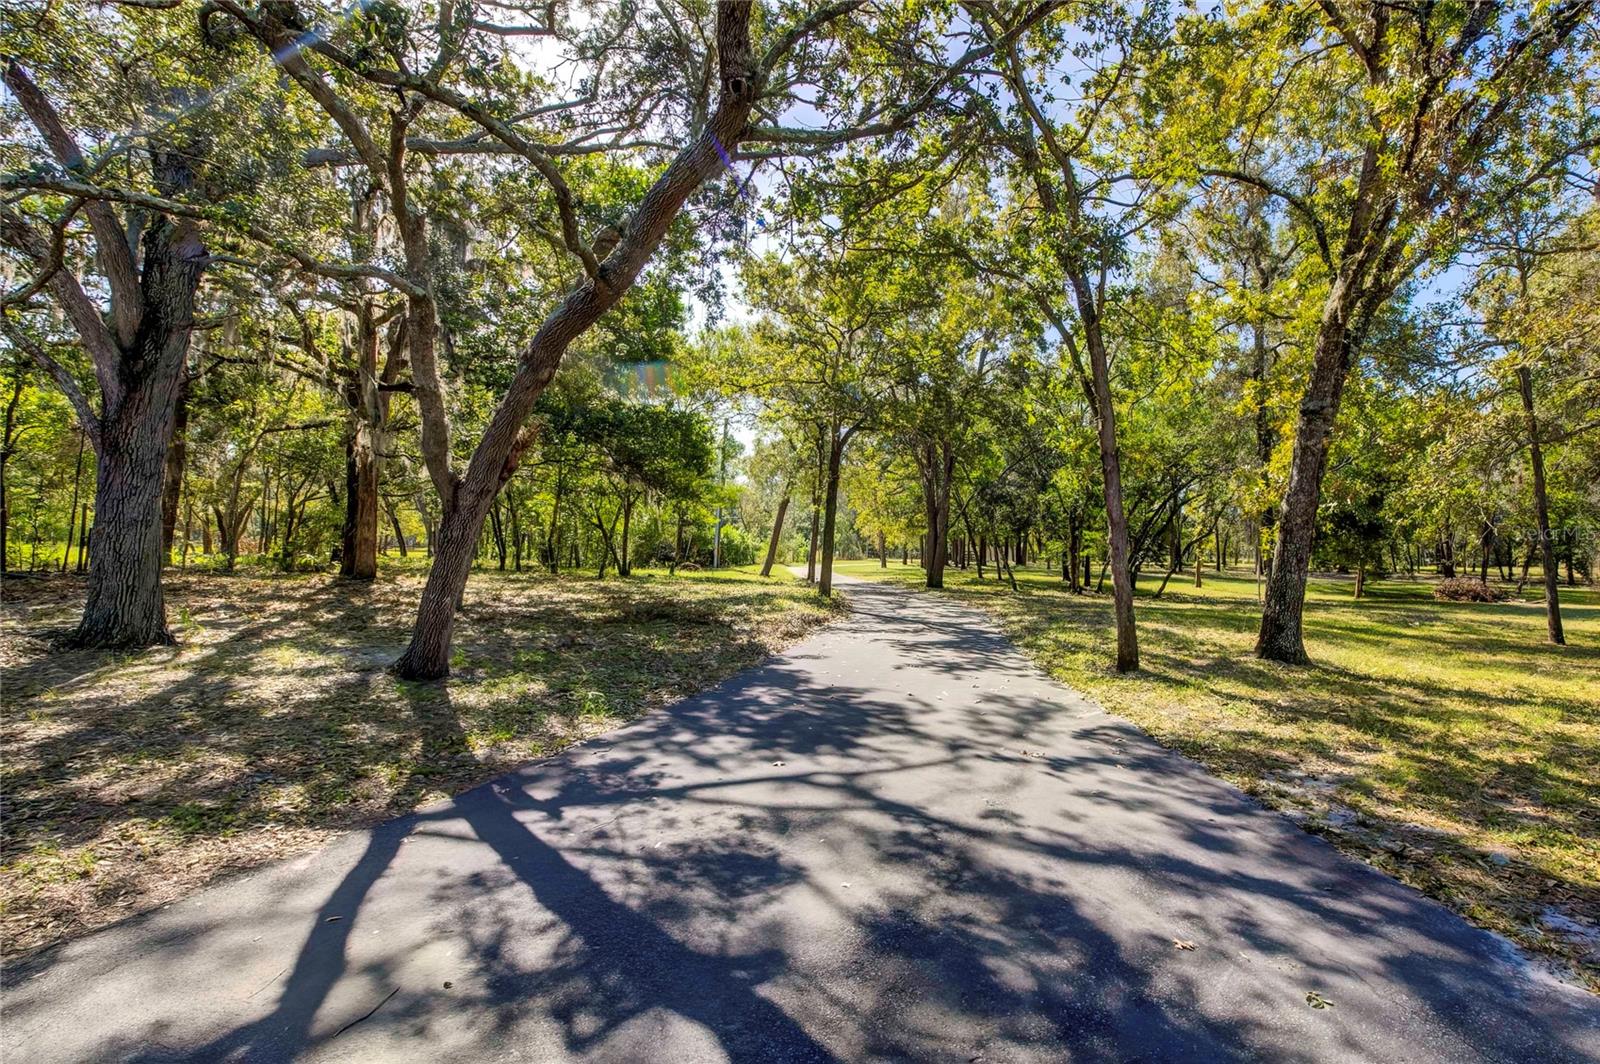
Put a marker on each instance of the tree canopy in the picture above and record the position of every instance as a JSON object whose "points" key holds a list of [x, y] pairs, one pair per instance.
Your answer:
{"points": [[1108, 287]]}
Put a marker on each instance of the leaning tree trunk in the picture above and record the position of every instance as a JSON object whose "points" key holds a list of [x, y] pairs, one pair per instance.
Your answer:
{"points": [[428, 656], [400, 534], [1281, 638], [1547, 554], [777, 532]]}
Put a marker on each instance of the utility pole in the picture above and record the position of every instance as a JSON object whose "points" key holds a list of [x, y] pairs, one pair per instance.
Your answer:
{"points": [[722, 476]]}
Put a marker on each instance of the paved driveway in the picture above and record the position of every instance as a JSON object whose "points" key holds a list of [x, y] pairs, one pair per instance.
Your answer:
{"points": [[898, 841]]}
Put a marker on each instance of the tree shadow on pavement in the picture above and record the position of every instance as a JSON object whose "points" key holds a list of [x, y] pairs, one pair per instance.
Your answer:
{"points": [[683, 879]]}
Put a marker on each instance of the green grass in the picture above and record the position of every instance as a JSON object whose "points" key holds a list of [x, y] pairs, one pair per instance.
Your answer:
{"points": [[1467, 746], [131, 779]]}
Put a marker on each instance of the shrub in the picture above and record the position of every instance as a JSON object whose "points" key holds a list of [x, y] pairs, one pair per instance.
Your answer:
{"points": [[1466, 589]]}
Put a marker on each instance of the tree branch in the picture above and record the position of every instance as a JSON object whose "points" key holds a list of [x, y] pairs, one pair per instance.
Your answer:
{"points": [[116, 257], [336, 270], [1300, 206], [63, 379], [82, 311]]}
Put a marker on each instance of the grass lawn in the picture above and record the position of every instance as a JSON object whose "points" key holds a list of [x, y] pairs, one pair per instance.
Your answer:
{"points": [[132, 779], [1448, 744]]}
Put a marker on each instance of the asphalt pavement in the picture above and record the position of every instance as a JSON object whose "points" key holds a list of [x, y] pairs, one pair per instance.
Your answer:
{"points": [[897, 841]]}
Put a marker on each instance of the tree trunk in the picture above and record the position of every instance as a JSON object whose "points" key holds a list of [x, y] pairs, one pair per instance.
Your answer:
{"points": [[836, 446], [1281, 637], [5, 515], [428, 656], [1116, 516], [1552, 595], [777, 534], [938, 469], [515, 513], [606, 551], [400, 535], [125, 607], [138, 351], [883, 551], [811, 550], [498, 530], [1002, 561], [358, 555], [85, 531], [8, 438]]}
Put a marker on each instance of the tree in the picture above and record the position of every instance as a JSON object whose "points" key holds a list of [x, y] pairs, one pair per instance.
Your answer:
{"points": [[646, 449], [470, 81], [879, 485], [1537, 264], [816, 356], [1436, 112], [137, 347], [1080, 192]]}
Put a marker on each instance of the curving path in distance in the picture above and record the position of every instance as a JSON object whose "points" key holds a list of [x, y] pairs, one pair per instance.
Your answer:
{"points": [[898, 841]]}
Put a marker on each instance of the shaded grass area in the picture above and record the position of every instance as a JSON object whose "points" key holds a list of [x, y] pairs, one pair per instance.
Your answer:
{"points": [[1447, 743], [131, 779]]}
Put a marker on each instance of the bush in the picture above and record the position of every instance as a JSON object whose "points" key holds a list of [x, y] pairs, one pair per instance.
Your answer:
{"points": [[1466, 589]]}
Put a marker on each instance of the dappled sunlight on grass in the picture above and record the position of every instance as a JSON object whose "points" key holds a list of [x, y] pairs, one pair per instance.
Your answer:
{"points": [[1445, 742], [130, 779]]}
